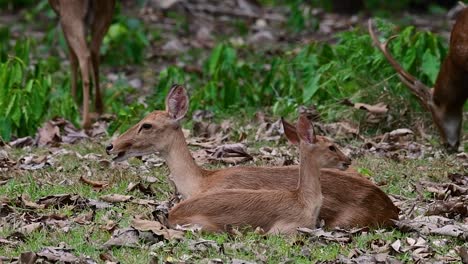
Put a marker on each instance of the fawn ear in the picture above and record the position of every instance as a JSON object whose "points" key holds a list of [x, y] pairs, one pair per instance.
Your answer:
{"points": [[290, 132], [177, 102], [305, 130]]}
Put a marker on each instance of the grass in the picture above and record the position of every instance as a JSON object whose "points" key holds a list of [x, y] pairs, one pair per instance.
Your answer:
{"points": [[87, 240]]}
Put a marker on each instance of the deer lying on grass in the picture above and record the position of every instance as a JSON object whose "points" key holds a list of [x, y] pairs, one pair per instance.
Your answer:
{"points": [[445, 101], [349, 199], [275, 211], [77, 17]]}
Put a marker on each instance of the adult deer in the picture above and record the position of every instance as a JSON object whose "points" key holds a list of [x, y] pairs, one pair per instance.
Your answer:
{"points": [[445, 101], [275, 211], [349, 199], [77, 17]]}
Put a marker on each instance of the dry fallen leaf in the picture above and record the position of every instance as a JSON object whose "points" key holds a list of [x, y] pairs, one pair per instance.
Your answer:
{"points": [[85, 218], [25, 200], [434, 225], [6, 242], [336, 235], [27, 229], [48, 133], [341, 130], [116, 198], [60, 200], [396, 245], [127, 237], [57, 254], [33, 162], [379, 108], [157, 228], [97, 185], [107, 257], [457, 206], [99, 128], [269, 131], [22, 142]]}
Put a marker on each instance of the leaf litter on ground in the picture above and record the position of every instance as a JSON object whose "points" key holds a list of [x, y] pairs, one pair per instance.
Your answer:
{"points": [[441, 215]]}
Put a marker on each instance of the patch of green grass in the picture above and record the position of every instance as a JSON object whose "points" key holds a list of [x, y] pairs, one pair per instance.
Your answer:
{"points": [[400, 177], [88, 239]]}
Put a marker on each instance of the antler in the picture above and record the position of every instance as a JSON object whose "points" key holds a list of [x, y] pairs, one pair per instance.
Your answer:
{"points": [[421, 91]]}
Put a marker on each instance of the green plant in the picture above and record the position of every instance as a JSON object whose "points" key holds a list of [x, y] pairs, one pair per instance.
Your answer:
{"points": [[22, 94], [125, 42], [321, 74], [27, 94]]}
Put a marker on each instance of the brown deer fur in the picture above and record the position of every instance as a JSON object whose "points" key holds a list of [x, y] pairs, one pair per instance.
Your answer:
{"points": [[275, 211], [446, 100], [76, 18], [349, 199]]}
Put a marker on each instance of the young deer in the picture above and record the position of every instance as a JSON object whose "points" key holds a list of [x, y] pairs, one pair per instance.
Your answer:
{"points": [[77, 17], [275, 211], [349, 199], [445, 101]]}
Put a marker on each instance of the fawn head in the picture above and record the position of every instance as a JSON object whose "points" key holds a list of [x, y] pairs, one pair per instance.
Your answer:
{"points": [[329, 156], [154, 133]]}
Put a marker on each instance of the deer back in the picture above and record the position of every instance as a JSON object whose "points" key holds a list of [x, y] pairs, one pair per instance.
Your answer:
{"points": [[367, 204], [218, 211]]}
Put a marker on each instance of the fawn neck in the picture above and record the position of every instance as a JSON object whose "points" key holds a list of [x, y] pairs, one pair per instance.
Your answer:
{"points": [[185, 173], [308, 184]]}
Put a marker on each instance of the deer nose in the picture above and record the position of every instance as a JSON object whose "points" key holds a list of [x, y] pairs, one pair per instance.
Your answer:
{"points": [[109, 148]]}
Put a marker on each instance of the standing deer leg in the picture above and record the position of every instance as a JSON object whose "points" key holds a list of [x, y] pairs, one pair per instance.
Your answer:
{"points": [[77, 40], [98, 31], [72, 19], [74, 71], [85, 61], [98, 104]]}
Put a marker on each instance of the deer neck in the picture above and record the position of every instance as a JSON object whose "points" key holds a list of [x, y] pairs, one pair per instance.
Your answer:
{"points": [[185, 173], [308, 185]]}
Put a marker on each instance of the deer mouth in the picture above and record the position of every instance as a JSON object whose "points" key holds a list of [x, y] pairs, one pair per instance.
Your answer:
{"points": [[120, 156]]}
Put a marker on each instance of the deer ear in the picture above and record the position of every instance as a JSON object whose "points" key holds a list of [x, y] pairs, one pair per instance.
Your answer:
{"points": [[177, 102], [290, 132], [305, 130]]}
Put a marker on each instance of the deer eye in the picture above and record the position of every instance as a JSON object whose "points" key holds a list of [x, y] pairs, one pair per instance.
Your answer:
{"points": [[146, 126], [332, 148]]}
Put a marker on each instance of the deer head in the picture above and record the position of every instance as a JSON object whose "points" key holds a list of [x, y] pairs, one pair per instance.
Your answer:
{"points": [[330, 154], [154, 133]]}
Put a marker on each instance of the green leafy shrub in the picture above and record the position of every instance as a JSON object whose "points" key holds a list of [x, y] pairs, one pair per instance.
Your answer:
{"points": [[125, 42], [321, 74], [27, 94]]}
